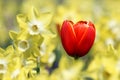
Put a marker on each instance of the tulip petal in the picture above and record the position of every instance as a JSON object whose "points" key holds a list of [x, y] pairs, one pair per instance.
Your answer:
{"points": [[87, 41], [68, 37], [80, 29]]}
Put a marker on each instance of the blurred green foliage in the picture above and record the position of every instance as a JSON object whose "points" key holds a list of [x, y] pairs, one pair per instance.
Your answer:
{"points": [[33, 51]]}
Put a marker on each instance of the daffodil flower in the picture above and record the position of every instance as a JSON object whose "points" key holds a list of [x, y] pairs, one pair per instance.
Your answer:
{"points": [[3, 66], [35, 27], [23, 45]]}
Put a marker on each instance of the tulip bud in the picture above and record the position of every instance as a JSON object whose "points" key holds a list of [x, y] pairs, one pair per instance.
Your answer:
{"points": [[77, 39]]}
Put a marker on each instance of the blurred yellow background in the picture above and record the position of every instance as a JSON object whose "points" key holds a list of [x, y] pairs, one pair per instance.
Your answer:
{"points": [[103, 60]]}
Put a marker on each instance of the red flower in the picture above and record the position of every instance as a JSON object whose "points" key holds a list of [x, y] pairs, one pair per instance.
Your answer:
{"points": [[77, 39]]}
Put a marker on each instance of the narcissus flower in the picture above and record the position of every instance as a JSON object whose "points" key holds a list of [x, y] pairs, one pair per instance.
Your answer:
{"points": [[23, 45], [77, 39], [3, 66], [35, 27]]}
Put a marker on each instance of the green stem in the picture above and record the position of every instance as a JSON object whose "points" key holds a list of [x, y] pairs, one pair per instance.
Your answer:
{"points": [[76, 57]]}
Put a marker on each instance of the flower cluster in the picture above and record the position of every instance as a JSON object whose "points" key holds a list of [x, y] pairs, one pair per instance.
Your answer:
{"points": [[22, 59]]}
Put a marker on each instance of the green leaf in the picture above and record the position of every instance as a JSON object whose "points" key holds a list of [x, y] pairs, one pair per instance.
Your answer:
{"points": [[13, 35], [22, 21], [2, 50], [111, 50], [35, 12]]}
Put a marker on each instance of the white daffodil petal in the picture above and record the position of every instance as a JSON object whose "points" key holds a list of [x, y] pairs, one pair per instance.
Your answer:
{"points": [[42, 49], [51, 58], [15, 73]]}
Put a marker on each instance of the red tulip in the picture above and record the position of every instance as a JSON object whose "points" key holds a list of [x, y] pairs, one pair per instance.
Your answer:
{"points": [[77, 39]]}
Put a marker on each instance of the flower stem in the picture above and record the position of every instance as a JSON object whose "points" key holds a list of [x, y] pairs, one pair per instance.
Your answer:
{"points": [[76, 57]]}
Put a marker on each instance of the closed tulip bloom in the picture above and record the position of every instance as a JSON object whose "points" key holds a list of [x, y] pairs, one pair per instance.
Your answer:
{"points": [[77, 39]]}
